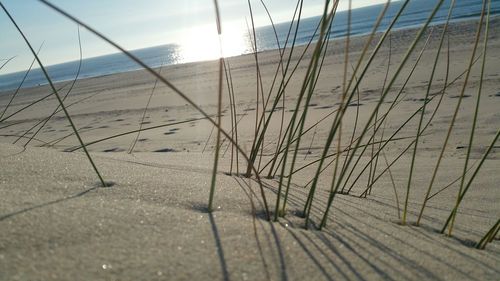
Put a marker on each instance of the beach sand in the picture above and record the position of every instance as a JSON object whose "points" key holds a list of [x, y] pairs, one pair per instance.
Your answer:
{"points": [[152, 224]]}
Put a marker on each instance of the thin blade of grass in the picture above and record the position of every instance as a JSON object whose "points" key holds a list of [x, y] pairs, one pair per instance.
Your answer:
{"points": [[141, 122], [164, 81], [310, 75], [55, 92], [331, 135], [488, 237], [65, 96], [393, 79], [419, 127], [7, 62], [21, 83], [476, 111], [467, 186], [219, 109]]}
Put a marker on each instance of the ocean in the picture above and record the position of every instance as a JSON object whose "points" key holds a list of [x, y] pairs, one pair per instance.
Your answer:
{"points": [[362, 21]]}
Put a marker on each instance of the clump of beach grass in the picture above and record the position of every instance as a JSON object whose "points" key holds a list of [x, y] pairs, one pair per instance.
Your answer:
{"points": [[283, 160]]}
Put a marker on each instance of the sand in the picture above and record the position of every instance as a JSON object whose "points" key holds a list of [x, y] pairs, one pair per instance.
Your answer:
{"points": [[152, 224]]}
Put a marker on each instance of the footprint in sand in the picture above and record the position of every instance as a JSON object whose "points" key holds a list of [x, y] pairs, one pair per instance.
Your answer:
{"points": [[334, 89], [165, 150], [171, 131], [457, 96], [114, 149], [324, 107]]}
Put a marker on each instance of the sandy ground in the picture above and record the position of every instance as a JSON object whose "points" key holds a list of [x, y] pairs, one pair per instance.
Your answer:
{"points": [[152, 224]]}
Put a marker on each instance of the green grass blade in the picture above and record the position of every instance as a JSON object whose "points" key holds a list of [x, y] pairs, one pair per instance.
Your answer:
{"points": [[331, 135], [489, 236], [20, 84], [164, 81], [467, 186], [55, 92], [398, 70], [419, 127], [476, 111]]}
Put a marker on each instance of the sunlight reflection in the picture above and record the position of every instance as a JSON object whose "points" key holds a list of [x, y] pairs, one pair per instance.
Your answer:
{"points": [[202, 43]]}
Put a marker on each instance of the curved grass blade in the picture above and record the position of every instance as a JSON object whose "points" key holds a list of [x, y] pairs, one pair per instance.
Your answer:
{"points": [[331, 135], [20, 84], [476, 111], [429, 85], [7, 61], [389, 86], [311, 73], [65, 96], [31, 104], [141, 123], [490, 235], [467, 186], [56, 93], [164, 81], [283, 85]]}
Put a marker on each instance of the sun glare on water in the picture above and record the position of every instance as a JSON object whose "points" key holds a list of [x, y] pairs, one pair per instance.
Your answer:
{"points": [[202, 43]]}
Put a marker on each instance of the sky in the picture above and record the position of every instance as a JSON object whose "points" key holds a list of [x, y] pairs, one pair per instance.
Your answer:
{"points": [[136, 24]]}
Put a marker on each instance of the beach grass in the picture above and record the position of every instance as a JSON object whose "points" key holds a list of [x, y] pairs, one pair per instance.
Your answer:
{"points": [[354, 158], [61, 101]]}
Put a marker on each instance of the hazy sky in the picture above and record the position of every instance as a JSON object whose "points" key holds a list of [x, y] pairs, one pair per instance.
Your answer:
{"points": [[131, 23]]}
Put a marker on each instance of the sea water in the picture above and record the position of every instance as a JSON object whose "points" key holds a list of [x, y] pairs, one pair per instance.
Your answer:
{"points": [[362, 21]]}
